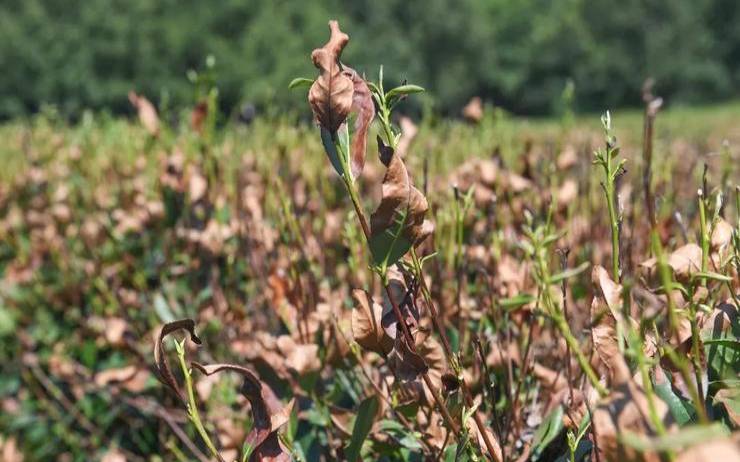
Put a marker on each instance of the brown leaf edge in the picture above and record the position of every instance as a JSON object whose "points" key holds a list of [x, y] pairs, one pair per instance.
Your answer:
{"points": [[160, 359], [397, 193], [362, 104], [268, 413]]}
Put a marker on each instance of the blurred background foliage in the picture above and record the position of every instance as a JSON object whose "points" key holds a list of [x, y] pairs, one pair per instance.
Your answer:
{"points": [[517, 54]]}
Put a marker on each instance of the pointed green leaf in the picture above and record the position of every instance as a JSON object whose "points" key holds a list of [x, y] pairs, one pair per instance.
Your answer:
{"points": [[336, 147], [547, 432], [300, 82], [363, 424], [389, 246]]}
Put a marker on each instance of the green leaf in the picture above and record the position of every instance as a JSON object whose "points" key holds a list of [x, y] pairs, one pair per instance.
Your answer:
{"points": [[711, 275], [336, 147], [547, 431], [722, 350], [300, 82], [681, 410], [363, 424], [685, 437], [727, 401], [404, 90], [569, 273], [516, 301], [389, 246]]}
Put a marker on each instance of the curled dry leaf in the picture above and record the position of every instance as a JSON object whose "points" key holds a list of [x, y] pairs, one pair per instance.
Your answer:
{"points": [[268, 413], [160, 360], [331, 94], [147, 113], [398, 223], [363, 106], [367, 328]]}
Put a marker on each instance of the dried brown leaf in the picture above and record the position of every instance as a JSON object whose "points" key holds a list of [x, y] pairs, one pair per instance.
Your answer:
{"points": [[331, 95], [721, 235], [399, 199], [367, 329], [363, 106], [625, 409], [299, 357], [268, 413], [147, 113]]}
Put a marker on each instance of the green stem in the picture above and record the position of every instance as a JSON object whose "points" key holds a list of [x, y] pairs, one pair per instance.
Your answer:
{"points": [[192, 405], [704, 234]]}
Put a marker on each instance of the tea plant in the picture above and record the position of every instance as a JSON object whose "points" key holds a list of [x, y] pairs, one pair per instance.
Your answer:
{"points": [[457, 310]]}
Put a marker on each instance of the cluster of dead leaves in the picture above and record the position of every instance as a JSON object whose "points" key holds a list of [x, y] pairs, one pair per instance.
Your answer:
{"points": [[268, 413]]}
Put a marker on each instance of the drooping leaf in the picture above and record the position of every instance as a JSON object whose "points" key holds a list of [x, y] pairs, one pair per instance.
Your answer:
{"points": [[338, 155], [268, 414], [363, 424], [330, 96], [160, 359], [398, 223]]}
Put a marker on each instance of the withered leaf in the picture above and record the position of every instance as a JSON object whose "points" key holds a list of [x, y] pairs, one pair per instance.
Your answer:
{"points": [[605, 310], [362, 104], [160, 359], [331, 94], [398, 223], [684, 261], [408, 364], [367, 329], [268, 413], [147, 113], [721, 234], [625, 410]]}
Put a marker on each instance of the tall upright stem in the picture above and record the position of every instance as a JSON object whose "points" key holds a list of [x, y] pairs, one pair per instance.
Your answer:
{"points": [[397, 312]]}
